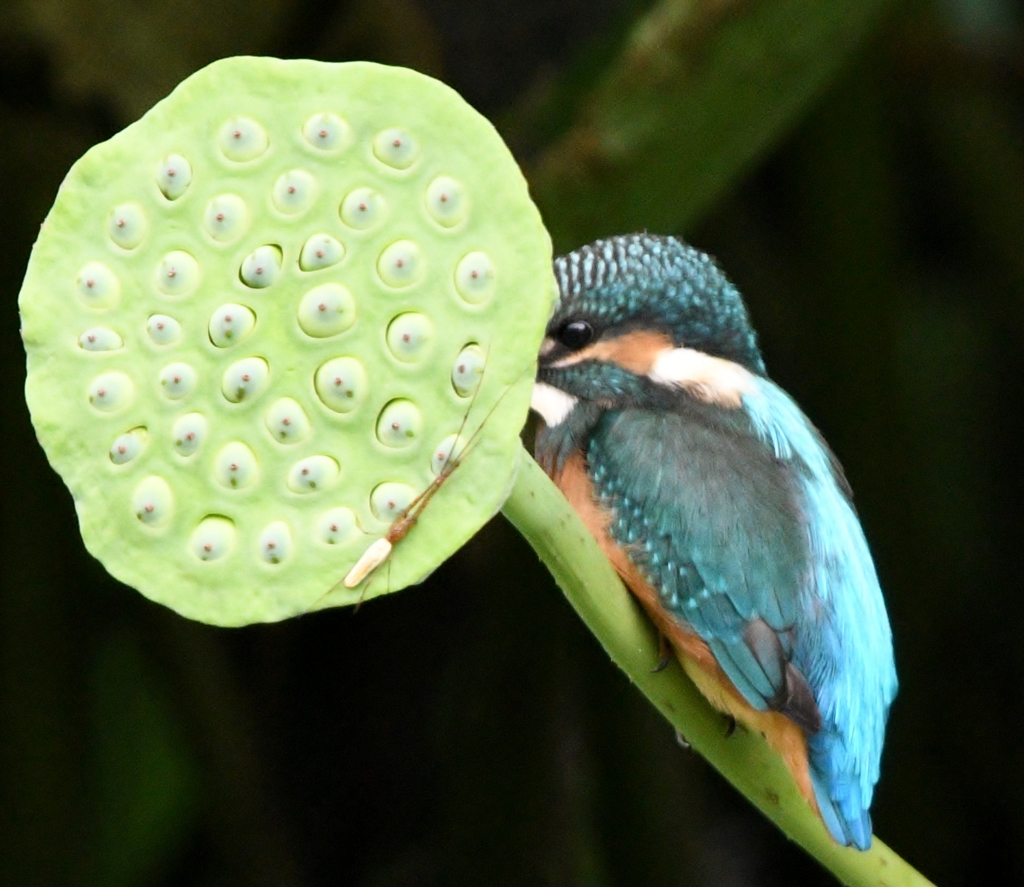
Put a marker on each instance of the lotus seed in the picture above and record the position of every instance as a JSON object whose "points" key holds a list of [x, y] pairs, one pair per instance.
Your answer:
{"points": [[327, 131], [468, 369], [320, 251], [245, 379], [363, 208], [294, 192], [447, 203], [230, 324], [313, 473], [127, 225], [213, 538], [395, 148], [410, 336], [275, 542], [188, 432], [177, 380], [336, 526], [242, 139], [173, 176], [475, 277], [262, 266], [128, 445], [388, 500], [177, 273], [152, 501], [341, 384], [399, 424], [447, 452], [111, 392], [400, 264], [286, 421], [163, 329], [235, 466], [327, 310], [226, 218], [100, 338], [97, 286]]}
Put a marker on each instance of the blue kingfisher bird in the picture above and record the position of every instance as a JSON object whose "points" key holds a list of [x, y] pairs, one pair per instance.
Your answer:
{"points": [[722, 509]]}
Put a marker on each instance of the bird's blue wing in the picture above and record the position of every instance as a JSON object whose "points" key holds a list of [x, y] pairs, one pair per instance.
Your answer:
{"points": [[741, 521], [709, 513]]}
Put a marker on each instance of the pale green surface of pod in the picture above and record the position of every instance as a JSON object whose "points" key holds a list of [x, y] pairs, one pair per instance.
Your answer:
{"points": [[227, 436]]}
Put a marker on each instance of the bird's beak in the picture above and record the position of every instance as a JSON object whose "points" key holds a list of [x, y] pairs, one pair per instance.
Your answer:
{"points": [[546, 349]]}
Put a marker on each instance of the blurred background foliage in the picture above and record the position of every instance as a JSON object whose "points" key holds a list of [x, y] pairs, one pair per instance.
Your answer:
{"points": [[858, 168]]}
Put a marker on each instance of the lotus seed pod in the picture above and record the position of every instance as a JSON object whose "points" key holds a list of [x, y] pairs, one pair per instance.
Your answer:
{"points": [[265, 318]]}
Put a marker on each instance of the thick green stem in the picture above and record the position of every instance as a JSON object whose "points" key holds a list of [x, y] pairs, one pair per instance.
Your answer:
{"points": [[540, 512]]}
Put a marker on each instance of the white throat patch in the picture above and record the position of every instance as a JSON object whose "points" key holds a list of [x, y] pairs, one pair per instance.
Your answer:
{"points": [[552, 403]]}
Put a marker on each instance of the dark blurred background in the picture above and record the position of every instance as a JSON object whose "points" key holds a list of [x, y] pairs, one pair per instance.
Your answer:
{"points": [[858, 168]]}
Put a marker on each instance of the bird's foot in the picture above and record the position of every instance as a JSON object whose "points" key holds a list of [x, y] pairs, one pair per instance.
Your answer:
{"points": [[664, 654]]}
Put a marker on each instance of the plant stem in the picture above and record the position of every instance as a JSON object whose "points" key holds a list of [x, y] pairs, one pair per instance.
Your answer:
{"points": [[539, 511]]}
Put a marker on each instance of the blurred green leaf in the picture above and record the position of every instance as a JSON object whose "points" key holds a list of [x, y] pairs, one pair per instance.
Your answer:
{"points": [[699, 93]]}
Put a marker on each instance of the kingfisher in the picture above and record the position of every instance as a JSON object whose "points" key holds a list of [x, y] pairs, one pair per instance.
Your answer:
{"points": [[722, 509]]}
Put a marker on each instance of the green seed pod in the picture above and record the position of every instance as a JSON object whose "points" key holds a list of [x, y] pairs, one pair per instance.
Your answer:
{"points": [[265, 318]]}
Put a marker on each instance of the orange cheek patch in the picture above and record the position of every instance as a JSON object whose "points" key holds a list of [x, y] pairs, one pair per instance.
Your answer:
{"points": [[634, 351]]}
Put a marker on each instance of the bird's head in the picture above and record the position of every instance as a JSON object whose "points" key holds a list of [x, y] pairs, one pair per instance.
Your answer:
{"points": [[640, 319]]}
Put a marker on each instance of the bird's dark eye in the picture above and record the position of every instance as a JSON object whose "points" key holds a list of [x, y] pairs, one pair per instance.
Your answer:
{"points": [[576, 334]]}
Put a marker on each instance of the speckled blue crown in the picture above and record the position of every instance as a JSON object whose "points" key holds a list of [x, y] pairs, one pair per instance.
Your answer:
{"points": [[613, 281]]}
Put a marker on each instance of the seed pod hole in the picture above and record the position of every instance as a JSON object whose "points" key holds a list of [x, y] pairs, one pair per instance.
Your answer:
{"points": [[226, 218], [341, 384], [468, 369], [294, 192], [128, 445], [394, 147], [475, 277], [401, 264], [446, 201], [245, 379], [235, 466], [275, 543], [337, 526], [320, 251], [242, 139], [327, 132], [326, 310], [262, 266], [230, 324], [100, 338], [214, 538], [388, 500], [286, 421], [111, 392], [446, 453], [97, 286], [163, 329], [126, 225], [400, 423], [173, 176], [363, 209], [312, 474], [188, 432], [177, 273], [410, 336], [152, 501], [177, 380]]}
